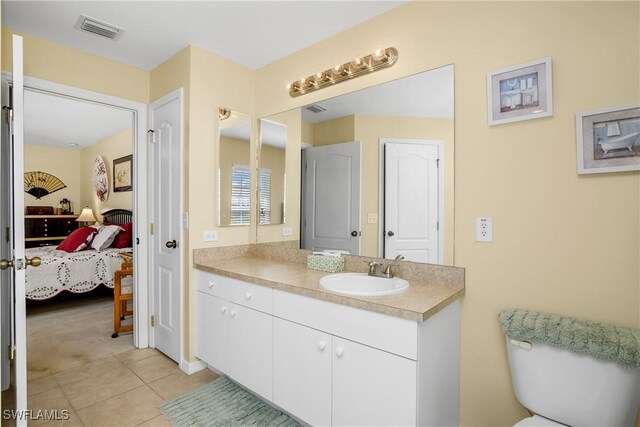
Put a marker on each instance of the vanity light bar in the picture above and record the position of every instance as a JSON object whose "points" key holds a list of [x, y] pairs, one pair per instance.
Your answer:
{"points": [[379, 59]]}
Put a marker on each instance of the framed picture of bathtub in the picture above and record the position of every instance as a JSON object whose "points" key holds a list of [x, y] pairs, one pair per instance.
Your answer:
{"points": [[520, 92], [608, 139]]}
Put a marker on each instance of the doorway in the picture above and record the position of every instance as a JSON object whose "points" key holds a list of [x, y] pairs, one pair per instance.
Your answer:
{"points": [[411, 177]]}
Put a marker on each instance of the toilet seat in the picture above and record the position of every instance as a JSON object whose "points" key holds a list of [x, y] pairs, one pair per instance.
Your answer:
{"points": [[537, 421]]}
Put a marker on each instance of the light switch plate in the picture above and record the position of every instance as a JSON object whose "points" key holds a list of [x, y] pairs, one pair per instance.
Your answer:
{"points": [[372, 218], [287, 231], [484, 229], [210, 235]]}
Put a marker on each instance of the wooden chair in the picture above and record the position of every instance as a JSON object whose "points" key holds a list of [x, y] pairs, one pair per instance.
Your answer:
{"points": [[122, 294]]}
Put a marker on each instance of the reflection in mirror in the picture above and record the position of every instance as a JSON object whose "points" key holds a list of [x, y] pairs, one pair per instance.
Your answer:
{"points": [[377, 176], [234, 174], [271, 173]]}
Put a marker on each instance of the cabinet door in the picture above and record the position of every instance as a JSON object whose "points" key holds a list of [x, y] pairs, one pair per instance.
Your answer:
{"points": [[212, 331], [372, 387], [302, 372], [251, 349]]}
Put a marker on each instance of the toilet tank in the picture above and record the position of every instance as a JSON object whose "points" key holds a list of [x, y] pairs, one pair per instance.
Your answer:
{"points": [[574, 389]]}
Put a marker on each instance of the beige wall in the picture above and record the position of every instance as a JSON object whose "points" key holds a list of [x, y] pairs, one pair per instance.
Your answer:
{"points": [[63, 163], [61, 64], [556, 248], [334, 131], [110, 148]]}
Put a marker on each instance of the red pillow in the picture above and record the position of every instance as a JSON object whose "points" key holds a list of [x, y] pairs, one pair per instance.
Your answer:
{"points": [[124, 239], [78, 240]]}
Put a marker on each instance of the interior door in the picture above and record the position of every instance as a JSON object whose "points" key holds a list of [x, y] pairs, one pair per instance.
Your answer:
{"points": [[411, 201], [166, 125], [332, 197], [12, 221]]}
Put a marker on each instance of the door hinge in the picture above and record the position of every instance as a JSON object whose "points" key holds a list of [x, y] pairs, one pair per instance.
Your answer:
{"points": [[9, 113], [151, 135], [153, 320], [437, 163], [438, 225], [10, 352], [8, 234], [151, 229]]}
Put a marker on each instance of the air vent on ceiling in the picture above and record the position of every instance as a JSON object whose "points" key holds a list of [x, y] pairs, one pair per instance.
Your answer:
{"points": [[99, 28], [315, 108]]}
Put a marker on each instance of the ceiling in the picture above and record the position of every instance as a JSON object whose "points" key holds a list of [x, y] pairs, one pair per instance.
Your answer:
{"points": [[56, 121], [251, 33], [428, 94]]}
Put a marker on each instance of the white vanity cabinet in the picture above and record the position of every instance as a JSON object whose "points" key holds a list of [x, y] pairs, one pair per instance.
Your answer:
{"points": [[327, 363], [233, 338]]}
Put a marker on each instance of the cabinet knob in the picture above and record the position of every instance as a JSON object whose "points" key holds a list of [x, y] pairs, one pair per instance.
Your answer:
{"points": [[321, 345], [211, 284], [223, 309], [247, 296], [339, 351], [233, 313]]}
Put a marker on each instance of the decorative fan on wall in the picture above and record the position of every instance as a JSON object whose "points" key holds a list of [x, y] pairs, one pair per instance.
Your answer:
{"points": [[40, 184]]}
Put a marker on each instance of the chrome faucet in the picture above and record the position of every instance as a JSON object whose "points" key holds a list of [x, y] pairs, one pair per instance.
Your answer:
{"points": [[375, 268], [387, 271]]}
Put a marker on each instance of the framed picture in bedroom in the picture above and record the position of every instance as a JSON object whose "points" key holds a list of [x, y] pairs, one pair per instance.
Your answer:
{"points": [[123, 174], [520, 92], [608, 139]]}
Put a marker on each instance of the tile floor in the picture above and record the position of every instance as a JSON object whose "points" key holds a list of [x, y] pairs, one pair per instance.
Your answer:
{"points": [[112, 385]]}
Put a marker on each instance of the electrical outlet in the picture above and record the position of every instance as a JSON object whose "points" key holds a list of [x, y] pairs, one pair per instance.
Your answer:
{"points": [[287, 231], [372, 218], [484, 229], [210, 236]]}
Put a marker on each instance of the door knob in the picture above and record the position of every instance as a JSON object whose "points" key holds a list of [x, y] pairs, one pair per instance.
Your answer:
{"points": [[33, 262], [5, 263], [390, 233], [172, 244], [247, 296], [339, 351], [321, 345], [355, 233]]}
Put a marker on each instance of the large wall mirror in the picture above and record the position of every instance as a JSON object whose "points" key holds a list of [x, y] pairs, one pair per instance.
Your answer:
{"points": [[376, 170], [234, 173]]}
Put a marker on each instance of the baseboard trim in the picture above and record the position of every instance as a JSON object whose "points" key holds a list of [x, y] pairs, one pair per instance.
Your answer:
{"points": [[192, 367]]}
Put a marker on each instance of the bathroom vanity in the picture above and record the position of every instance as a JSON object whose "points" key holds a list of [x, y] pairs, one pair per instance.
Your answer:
{"points": [[330, 359]]}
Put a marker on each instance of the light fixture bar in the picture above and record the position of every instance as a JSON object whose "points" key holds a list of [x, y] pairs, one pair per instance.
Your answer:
{"points": [[378, 60]]}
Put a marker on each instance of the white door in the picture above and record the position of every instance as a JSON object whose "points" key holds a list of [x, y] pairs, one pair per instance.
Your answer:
{"points": [[372, 387], [166, 124], [411, 201], [14, 325], [332, 197]]}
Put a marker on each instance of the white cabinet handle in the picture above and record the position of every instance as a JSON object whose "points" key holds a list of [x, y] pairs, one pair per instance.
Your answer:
{"points": [[247, 296], [223, 309], [233, 313], [321, 345], [339, 351], [211, 284]]}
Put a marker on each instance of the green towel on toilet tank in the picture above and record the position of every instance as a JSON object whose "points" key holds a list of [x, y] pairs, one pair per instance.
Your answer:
{"points": [[599, 340]]}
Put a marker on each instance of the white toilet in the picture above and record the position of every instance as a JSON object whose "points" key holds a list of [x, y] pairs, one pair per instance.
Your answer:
{"points": [[565, 388]]}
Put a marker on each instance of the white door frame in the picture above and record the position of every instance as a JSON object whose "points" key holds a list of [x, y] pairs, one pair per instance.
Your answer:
{"points": [[186, 366], [140, 182], [381, 176]]}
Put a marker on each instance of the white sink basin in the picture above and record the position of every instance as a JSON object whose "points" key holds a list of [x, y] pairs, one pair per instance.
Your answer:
{"points": [[364, 285]]}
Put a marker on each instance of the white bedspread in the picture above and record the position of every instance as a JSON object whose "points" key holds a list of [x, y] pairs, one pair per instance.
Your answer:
{"points": [[74, 272]]}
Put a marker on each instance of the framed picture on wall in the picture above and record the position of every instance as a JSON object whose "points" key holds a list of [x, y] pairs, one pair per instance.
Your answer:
{"points": [[122, 174], [520, 92], [608, 139]]}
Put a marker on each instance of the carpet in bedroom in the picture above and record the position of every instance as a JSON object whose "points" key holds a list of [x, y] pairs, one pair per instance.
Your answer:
{"points": [[67, 336]]}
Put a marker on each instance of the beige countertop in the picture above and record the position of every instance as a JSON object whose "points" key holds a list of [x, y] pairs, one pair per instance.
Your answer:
{"points": [[419, 302]]}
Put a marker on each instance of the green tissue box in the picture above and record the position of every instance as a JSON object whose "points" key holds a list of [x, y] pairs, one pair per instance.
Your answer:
{"points": [[329, 264]]}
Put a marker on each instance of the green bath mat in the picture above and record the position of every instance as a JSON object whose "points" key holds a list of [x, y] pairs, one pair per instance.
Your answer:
{"points": [[222, 403]]}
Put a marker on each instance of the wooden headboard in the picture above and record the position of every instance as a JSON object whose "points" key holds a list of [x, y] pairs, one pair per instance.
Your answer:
{"points": [[117, 216]]}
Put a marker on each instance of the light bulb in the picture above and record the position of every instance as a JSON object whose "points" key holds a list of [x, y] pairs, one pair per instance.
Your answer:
{"points": [[379, 54], [288, 86], [358, 62]]}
